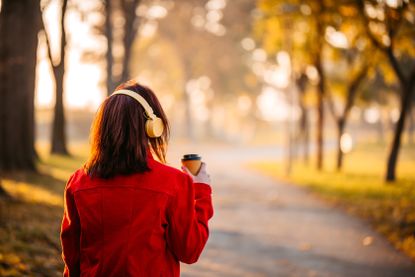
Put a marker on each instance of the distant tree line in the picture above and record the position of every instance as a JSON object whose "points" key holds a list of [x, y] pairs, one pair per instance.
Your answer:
{"points": [[379, 38]]}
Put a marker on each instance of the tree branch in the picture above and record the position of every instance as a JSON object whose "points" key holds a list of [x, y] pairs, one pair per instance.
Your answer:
{"points": [[48, 47], [63, 38], [395, 65], [131, 21], [393, 30], [330, 103], [353, 86], [366, 20], [388, 50], [63, 32], [130, 31]]}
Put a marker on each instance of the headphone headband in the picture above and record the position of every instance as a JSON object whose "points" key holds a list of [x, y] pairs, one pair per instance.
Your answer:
{"points": [[139, 98], [154, 126]]}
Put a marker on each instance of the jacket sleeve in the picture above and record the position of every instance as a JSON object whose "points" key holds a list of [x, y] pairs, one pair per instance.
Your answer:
{"points": [[70, 234], [188, 214]]}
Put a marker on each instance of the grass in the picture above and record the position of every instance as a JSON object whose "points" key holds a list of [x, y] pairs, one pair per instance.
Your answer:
{"points": [[30, 218], [360, 189]]}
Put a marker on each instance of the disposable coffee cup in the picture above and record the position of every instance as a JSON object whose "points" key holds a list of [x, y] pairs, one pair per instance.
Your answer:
{"points": [[192, 162]]}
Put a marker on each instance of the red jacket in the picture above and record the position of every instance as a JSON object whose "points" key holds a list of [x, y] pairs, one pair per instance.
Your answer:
{"points": [[136, 225]]}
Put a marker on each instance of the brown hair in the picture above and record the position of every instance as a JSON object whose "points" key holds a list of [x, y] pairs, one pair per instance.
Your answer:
{"points": [[119, 143]]}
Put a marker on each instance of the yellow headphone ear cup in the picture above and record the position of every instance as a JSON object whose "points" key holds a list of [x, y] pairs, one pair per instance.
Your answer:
{"points": [[154, 127]]}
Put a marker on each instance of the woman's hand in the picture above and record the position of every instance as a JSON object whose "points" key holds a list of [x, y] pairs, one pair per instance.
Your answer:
{"points": [[201, 177]]}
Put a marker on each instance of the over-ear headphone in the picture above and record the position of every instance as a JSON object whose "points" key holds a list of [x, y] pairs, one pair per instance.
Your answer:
{"points": [[154, 125]]}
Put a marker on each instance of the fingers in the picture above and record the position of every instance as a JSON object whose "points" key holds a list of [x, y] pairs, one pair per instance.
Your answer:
{"points": [[201, 177], [184, 169], [203, 167]]}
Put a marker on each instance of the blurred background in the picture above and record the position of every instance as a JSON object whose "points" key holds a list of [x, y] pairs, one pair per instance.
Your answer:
{"points": [[313, 93]]}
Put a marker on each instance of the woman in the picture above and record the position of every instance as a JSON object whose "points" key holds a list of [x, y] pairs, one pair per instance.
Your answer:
{"points": [[127, 214]]}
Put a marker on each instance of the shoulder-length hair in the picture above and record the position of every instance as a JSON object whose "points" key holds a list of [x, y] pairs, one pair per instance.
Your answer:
{"points": [[119, 143]]}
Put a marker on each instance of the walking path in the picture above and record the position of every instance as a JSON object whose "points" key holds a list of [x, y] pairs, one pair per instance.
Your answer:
{"points": [[266, 228]]}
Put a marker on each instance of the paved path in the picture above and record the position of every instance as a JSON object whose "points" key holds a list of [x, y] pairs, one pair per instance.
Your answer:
{"points": [[266, 228]]}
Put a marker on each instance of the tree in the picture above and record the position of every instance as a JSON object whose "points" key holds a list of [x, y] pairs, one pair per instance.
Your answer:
{"points": [[319, 16], [357, 53], [352, 86], [187, 27], [129, 31], [58, 139], [309, 21], [175, 33], [393, 34], [303, 134], [19, 23], [283, 26], [110, 38]]}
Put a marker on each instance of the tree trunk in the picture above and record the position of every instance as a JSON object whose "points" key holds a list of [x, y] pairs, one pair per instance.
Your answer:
{"points": [[58, 130], [20, 24], [407, 90], [303, 133], [303, 130], [411, 127], [125, 75], [342, 119], [306, 140], [109, 56], [130, 33], [318, 63], [340, 130], [320, 117], [58, 127], [407, 87]]}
